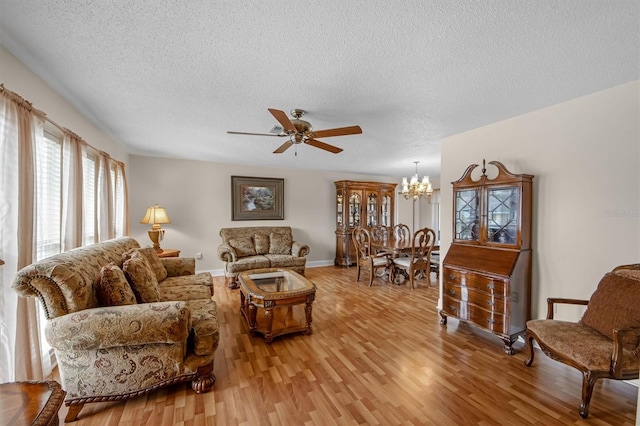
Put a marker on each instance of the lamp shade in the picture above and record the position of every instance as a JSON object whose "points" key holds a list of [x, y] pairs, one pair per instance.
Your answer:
{"points": [[156, 215]]}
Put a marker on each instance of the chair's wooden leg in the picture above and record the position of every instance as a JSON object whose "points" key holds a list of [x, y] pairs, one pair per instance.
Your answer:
{"points": [[528, 340], [72, 414], [371, 269], [357, 272], [588, 382]]}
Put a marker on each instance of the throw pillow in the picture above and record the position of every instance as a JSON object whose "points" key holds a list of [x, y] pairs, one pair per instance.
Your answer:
{"points": [[113, 288], [262, 243], [280, 243], [142, 279], [614, 304], [243, 246], [152, 257]]}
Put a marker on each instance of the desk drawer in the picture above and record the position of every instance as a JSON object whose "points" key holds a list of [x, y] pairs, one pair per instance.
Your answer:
{"points": [[488, 284], [493, 321], [484, 300]]}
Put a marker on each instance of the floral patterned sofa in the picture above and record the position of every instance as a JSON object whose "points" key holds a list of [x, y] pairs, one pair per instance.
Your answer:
{"points": [[257, 247], [124, 322]]}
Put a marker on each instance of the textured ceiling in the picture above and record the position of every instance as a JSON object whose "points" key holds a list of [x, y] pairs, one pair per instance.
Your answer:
{"points": [[169, 78]]}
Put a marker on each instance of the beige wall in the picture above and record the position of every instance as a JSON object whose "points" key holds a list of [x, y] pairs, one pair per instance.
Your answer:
{"points": [[18, 78], [585, 155], [197, 196]]}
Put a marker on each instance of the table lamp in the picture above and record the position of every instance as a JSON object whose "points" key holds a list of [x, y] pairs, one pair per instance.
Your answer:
{"points": [[155, 216]]}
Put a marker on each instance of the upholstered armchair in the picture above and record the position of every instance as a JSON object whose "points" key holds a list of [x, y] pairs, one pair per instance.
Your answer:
{"points": [[605, 343], [124, 322]]}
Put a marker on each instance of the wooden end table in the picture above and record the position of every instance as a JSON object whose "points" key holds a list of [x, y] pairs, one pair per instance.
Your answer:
{"points": [[269, 289], [169, 253], [30, 403]]}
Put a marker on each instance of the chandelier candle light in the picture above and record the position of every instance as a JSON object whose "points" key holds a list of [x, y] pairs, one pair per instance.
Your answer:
{"points": [[155, 216], [416, 189]]}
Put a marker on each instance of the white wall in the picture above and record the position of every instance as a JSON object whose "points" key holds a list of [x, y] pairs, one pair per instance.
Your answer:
{"points": [[19, 79], [197, 196], [585, 155]]}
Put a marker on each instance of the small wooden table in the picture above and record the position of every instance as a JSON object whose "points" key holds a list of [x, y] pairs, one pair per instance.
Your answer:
{"points": [[271, 288], [169, 253], [30, 403]]}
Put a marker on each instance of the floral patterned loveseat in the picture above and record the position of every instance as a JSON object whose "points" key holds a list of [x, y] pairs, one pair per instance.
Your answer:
{"points": [[124, 322], [256, 247]]}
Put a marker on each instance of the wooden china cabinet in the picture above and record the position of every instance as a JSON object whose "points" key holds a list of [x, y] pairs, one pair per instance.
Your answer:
{"points": [[360, 204], [487, 269]]}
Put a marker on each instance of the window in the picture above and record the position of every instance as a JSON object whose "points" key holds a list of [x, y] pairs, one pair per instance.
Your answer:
{"points": [[48, 195], [89, 198]]}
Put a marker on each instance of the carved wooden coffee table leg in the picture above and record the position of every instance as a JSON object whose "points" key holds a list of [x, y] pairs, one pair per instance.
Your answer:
{"points": [[268, 315], [308, 305], [253, 324]]}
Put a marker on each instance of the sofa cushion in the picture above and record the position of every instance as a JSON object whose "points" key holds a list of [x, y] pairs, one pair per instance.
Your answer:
{"points": [[246, 263], [113, 289], [150, 254], [201, 278], [243, 246], [280, 243], [184, 292], [142, 279], [262, 243], [614, 304], [285, 261]]}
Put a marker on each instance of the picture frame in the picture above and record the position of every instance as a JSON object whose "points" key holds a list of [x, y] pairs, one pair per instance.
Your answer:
{"points": [[257, 198]]}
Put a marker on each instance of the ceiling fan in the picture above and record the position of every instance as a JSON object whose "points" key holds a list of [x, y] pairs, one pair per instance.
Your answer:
{"points": [[300, 131]]}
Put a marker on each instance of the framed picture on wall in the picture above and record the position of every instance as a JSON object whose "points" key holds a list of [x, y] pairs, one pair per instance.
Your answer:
{"points": [[256, 198]]}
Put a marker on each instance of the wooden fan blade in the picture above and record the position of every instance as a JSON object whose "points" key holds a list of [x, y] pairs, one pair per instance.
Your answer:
{"points": [[340, 131], [322, 145], [282, 148], [254, 134], [282, 118]]}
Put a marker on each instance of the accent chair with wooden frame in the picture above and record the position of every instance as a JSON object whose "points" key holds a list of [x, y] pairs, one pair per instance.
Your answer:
{"points": [[364, 255], [605, 343]]}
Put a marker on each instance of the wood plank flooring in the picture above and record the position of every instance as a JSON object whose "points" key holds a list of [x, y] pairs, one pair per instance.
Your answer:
{"points": [[377, 356]]}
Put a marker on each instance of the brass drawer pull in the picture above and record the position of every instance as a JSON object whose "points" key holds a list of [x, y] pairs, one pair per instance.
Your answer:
{"points": [[452, 277], [490, 321], [491, 286], [491, 303], [452, 292], [452, 308]]}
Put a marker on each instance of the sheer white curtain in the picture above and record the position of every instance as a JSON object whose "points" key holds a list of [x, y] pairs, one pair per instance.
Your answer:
{"points": [[20, 125], [86, 176]]}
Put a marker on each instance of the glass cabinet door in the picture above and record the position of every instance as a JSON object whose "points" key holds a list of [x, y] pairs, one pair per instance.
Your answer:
{"points": [[355, 199], [339, 201], [385, 210], [372, 209], [502, 215], [467, 214]]}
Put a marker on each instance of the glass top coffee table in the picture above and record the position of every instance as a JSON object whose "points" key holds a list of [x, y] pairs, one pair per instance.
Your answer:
{"points": [[281, 294]]}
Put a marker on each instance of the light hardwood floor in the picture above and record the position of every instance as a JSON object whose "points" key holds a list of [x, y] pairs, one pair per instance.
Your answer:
{"points": [[378, 355]]}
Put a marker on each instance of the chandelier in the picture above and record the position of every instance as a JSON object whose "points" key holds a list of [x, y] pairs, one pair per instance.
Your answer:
{"points": [[416, 189]]}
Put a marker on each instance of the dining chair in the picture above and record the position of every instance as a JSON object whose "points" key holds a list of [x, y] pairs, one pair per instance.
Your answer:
{"points": [[365, 257], [419, 262], [401, 231]]}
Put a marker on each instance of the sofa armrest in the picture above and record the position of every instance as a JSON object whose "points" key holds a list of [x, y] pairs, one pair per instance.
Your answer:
{"points": [[618, 345], [299, 249], [178, 266], [226, 253], [553, 300], [129, 325]]}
